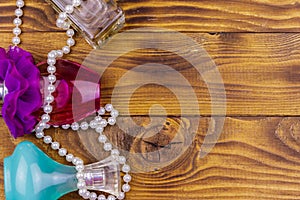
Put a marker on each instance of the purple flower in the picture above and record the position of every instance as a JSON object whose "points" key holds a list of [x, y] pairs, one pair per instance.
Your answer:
{"points": [[22, 79]]}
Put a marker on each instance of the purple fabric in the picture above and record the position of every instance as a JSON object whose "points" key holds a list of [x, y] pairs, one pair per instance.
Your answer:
{"points": [[22, 79]]}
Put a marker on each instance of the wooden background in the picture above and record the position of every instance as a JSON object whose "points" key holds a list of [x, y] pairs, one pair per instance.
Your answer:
{"points": [[256, 46]]}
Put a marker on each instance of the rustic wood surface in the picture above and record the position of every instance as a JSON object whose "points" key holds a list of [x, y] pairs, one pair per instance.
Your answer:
{"points": [[256, 47]]}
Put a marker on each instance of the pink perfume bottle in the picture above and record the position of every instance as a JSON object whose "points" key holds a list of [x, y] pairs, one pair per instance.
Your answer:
{"points": [[96, 20], [77, 92], [23, 93]]}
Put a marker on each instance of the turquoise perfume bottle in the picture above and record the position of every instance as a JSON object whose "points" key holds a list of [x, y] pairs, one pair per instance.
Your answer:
{"points": [[29, 174]]}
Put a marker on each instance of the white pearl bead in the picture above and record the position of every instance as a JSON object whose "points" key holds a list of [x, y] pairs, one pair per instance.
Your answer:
{"points": [[111, 121], [121, 196], [107, 146], [74, 160], [93, 196], [101, 197], [93, 124], [84, 126], [69, 157], [125, 168], [55, 145], [42, 124], [76, 3], [80, 175], [81, 185], [82, 191], [110, 197], [45, 118], [75, 126], [39, 135], [16, 40], [20, 3], [17, 31], [51, 78], [60, 22], [49, 99], [79, 168], [39, 129], [18, 12], [70, 32], [98, 118], [54, 52], [101, 111], [99, 129], [51, 69], [51, 54], [102, 138], [114, 113], [126, 187], [51, 88], [51, 61], [63, 16], [47, 139], [66, 49], [48, 109], [62, 152], [69, 9], [86, 195], [59, 53], [66, 126], [127, 178], [17, 21], [77, 161], [115, 152], [122, 160], [103, 123], [108, 107], [66, 25], [71, 42]]}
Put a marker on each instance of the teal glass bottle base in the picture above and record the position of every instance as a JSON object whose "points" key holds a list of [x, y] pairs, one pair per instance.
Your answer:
{"points": [[29, 174]]}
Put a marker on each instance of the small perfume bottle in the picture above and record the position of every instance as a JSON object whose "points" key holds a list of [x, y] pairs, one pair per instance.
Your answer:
{"points": [[97, 20]]}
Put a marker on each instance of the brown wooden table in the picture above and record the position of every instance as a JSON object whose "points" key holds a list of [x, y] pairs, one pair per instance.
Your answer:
{"points": [[256, 47]]}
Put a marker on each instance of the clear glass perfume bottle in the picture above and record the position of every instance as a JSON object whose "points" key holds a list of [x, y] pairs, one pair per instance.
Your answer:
{"points": [[97, 20]]}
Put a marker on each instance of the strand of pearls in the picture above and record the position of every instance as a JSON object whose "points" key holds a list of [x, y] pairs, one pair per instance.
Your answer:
{"points": [[17, 22], [98, 123]]}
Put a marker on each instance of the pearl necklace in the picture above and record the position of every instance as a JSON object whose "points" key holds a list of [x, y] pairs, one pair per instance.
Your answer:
{"points": [[98, 123]]}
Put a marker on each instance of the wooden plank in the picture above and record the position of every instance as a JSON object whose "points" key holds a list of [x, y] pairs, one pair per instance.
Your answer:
{"points": [[251, 159], [254, 157], [180, 15], [260, 73]]}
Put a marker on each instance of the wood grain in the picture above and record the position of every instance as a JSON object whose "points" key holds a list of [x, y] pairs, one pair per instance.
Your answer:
{"points": [[255, 45], [249, 161], [180, 15], [260, 73]]}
